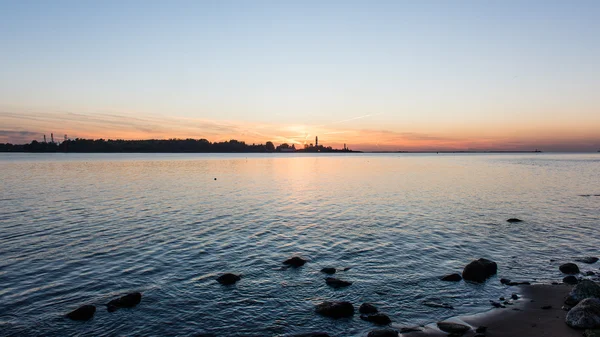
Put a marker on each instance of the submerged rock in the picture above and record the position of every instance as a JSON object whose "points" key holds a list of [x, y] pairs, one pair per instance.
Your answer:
{"points": [[310, 334], [514, 220], [587, 259], [337, 283], [584, 289], [496, 304], [411, 329], [437, 305], [479, 270], [328, 271], [585, 315], [295, 261], [451, 277], [589, 273], [571, 279], [451, 327], [383, 333], [367, 308], [127, 301], [335, 309], [569, 268], [82, 313], [379, 318], [228, 279]]}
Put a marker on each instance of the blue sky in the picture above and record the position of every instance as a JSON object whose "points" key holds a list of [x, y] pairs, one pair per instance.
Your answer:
{"points": [[377, 74]]}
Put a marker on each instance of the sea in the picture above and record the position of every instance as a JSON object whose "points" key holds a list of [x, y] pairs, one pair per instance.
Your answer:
{"points": [[80, 229]]}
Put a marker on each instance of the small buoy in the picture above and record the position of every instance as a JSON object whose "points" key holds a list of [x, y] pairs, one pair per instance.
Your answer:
{"points": [[215, 178]]}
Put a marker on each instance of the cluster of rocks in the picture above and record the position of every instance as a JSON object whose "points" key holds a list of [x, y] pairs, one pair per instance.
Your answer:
{"points": [[86, 312], [583, 302]]}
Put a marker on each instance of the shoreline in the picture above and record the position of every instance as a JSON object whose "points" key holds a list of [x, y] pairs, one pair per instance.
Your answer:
{"points": [[525, 318]]}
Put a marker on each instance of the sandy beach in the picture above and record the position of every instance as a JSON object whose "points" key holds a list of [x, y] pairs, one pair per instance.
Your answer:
{"points": [[525, 318]]}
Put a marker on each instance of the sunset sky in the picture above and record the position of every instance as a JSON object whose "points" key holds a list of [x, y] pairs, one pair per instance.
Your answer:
{"points": [[377, 75]]}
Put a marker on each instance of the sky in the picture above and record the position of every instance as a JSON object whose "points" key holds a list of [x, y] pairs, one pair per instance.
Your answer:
{"points": [[376, 75]]}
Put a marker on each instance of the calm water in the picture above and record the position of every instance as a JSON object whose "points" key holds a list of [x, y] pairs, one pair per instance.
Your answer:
{"points": [[79, 229]]}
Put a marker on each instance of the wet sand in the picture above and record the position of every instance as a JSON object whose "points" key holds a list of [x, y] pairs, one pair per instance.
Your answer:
{"points": [[525, 318]]}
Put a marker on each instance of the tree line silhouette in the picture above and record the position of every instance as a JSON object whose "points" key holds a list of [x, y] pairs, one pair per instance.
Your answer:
{"points": [[157, 145]]}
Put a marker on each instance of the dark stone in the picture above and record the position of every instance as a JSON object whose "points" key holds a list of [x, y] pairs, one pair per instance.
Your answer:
{"points": [[479, 270], [310, 334], [502, 298], [546, 307], [585, 315], [514, 220], [379, 318], [367, 308], [451, 277], [526, 283], [337, 283], [589, 273], [335, 309], [496, 304], [587, 259], [411, 329], [584, 289], [451, 327], [514, 296], [383, 333], [437, 305], [295, 261], [82, 313], [346, 269], [228, 279], [571, 279], [504, 281], [569, 268], [328, 271], [127, 301], [481, 329]]}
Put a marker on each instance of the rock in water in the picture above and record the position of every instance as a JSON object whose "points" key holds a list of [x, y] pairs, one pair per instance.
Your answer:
{"points": [[479, 270], [310, 334], [328, 271], [587, 259], [381, 319], [127, 301], [295, 261], [584, 289], [514, 220], [437, 305], [571, 279], [383, 333], [569, 268], [451, 327], [585, 315], [337, 283], [452, 277], [367, 308], [82, 313], [335, 309], [228, 279]]}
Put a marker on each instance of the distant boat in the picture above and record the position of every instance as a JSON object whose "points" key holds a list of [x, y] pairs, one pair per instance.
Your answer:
{"points": [[536, 151]]}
